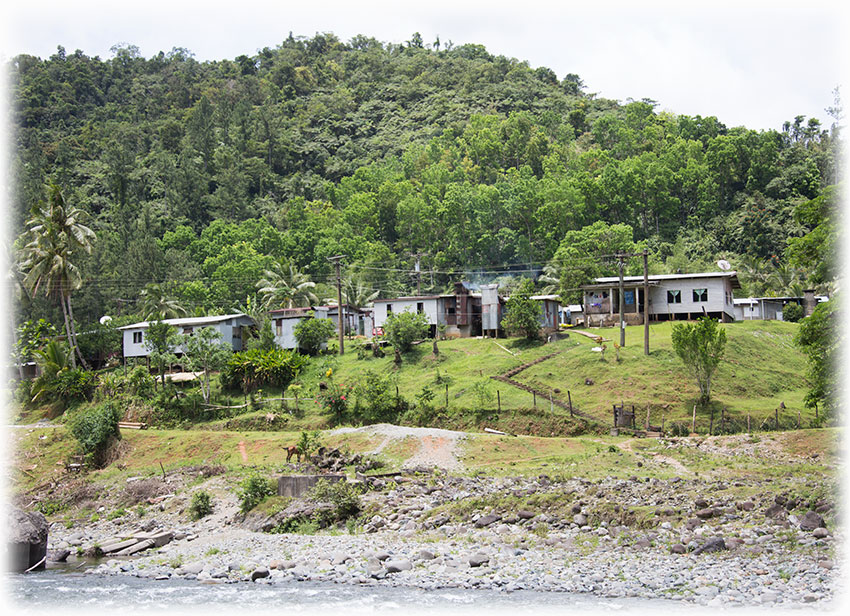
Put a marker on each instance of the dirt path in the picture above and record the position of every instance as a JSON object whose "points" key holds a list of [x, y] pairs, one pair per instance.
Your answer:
{"points": [[437, 447], [655, 457]]}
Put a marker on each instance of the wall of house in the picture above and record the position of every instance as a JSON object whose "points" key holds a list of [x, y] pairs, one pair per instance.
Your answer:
{"points": [[225, 328], [719, 296], [284, 335], [429, 306]]}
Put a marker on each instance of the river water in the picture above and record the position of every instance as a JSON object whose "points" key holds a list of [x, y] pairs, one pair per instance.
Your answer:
{"points": [[63, 590]]}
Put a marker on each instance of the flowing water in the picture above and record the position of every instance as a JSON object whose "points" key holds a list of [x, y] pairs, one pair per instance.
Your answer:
{"points": [[65, 590]]}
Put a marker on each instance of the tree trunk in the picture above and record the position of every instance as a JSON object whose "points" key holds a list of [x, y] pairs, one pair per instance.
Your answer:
{"points": [[67, 328], [74, 334]]}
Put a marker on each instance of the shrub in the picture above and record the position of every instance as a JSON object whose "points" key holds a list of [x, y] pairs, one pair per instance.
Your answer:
{"points": [[309, 442], [201, 505], [141, 382], [311, 333], [792, 312], [255, 489], [334, 399], [376, 400], [95, 429], [248, 370], [341, 494], [403, 328], [74, 385]]}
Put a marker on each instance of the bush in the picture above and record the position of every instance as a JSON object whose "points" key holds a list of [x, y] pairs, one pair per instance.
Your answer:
{"points": [[792, 312], [201, 505], [95, 429], [141, 382], [255, 489], [70, 385], [248, 370], [403, 328], [341, 494], [312, 333], [376, 399], [309, 442]]}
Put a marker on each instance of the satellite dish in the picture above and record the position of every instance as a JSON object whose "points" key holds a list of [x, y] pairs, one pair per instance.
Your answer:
{"points": [[105, 319], [724, 265]]}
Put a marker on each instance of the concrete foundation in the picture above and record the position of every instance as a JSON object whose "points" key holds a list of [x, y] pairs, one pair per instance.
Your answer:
{"points": [[295, 486]]}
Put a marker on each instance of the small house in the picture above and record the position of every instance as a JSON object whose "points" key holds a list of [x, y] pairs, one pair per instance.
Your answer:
{"points": [[285, 320], [230, 326], [459, 312], [671, 297]]}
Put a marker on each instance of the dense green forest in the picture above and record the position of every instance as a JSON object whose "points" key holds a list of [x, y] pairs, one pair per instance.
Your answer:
{"points": [[200, 180]]}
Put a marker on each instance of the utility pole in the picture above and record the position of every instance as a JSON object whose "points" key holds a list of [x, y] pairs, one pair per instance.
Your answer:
{"points": [[645, 302], [620, 258], [340, 312]]}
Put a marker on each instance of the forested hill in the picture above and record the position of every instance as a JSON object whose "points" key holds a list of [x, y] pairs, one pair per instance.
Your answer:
{"points": [[201, 179]]}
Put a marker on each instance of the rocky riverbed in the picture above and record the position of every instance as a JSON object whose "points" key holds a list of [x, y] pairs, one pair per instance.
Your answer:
{"points": [[706, 542]]}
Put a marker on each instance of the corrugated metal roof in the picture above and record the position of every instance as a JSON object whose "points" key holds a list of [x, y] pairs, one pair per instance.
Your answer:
{"points": [[186, 321]]}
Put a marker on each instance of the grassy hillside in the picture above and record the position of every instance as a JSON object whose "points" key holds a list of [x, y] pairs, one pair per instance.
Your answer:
{"points": [[762, 369]]}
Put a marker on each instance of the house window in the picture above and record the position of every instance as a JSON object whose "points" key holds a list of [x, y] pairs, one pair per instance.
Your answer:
{"points": [[420, 307], [278, 326], [188, 330], [237, 332], [389, 308], [137, 337], [700, 295], [674, 296]]}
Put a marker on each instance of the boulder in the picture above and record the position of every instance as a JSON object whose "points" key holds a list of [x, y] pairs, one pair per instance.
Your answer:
{"points": [[394, 566], [811, 521], [487, 520], [27, 540], [775, 511], [715, 544], [476, 560]]}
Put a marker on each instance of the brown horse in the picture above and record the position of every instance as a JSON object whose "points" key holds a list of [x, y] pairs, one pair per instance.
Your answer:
{"points": [[293, 450]]}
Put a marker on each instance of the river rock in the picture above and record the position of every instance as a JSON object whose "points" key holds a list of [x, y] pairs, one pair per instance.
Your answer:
{"points": [[487, 520], [478, 559], [820, 533], [259, 573], [27, 539], [394, 566]]}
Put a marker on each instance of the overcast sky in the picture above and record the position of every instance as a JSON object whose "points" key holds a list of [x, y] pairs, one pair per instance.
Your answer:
{"points": [[749, 63]]}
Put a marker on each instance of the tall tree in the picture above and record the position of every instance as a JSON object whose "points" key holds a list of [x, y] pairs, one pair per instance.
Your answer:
{"points": [[51, 256]]}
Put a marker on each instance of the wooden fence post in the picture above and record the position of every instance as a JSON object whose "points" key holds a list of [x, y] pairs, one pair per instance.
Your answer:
{"points": [[534, 393], [570, 400], [694, 420], [499, 400]]}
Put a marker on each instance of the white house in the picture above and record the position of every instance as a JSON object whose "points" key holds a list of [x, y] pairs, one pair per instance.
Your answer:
{"points": [[671, 297], [459, 312], [770, 308], [229, 325]]}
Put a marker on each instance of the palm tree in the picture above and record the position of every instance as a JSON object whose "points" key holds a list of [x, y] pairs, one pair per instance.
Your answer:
{"points": [[285, 286], [56, 238], [355, 293], [551, 278], [157, 304]]}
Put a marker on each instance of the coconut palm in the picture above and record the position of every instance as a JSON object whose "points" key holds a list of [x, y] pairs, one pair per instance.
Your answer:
{"points": [[285, 286], [551, 278], [156, 304], [355, 293], [56, 240]]}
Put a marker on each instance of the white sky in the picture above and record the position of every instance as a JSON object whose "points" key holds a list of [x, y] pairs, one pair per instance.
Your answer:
{"points": [[749, 63]]}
